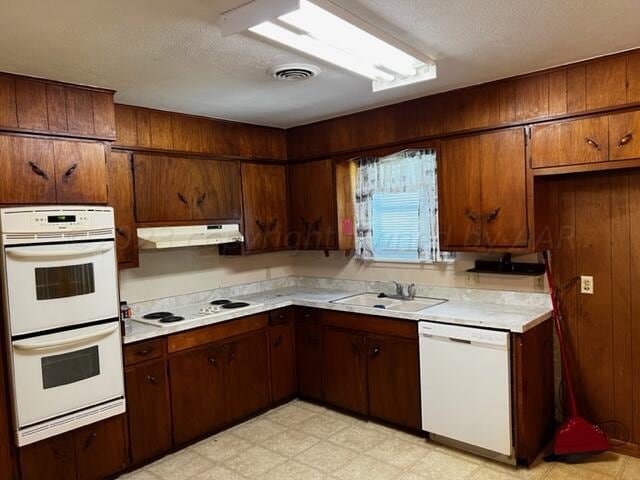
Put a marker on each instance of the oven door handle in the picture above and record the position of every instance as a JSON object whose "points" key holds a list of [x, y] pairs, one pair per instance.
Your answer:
{"points": [[68, 253], [54, 344]]}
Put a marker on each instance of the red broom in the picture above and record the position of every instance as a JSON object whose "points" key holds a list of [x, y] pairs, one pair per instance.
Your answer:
{"points": [[575, 438]]}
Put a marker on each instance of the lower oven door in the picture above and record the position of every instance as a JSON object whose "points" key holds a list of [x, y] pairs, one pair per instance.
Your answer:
{"points": [[55, 285], [59, 373]]}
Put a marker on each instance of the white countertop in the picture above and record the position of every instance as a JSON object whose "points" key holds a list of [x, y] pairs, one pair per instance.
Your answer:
{"points": [[514, 318]]}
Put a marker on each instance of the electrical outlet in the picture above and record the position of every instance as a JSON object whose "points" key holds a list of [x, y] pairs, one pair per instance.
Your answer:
{"points": [[472, 279], [586, 284], [538, 283]]}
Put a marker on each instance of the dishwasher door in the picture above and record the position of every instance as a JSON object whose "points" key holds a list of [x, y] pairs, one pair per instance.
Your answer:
{"points": [[466, 385]]}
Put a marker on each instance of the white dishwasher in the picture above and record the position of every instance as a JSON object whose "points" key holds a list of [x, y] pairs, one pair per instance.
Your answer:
{"points": [[465, 375]]}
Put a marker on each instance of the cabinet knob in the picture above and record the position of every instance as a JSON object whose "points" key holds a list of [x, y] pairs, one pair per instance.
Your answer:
{"points": [[38, 171], [626, 139], [144, 352], [152, 380], [593, 143], [71, 169], [212, 360], [375, 351]]}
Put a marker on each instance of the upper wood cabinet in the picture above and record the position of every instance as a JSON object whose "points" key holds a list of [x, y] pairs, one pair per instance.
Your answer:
{"points": [[42, 106], [482, 191], [120, 187], [265, 207], [624, 136], [172, 189], [313, 205], [154, 129], [50, 171]]}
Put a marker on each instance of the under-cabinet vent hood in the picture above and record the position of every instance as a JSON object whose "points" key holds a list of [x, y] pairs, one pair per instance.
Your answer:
{"points": [[190, 236]]}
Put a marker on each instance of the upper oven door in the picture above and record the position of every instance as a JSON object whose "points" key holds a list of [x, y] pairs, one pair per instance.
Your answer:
{"points": [[56, 285], [59, 373]]}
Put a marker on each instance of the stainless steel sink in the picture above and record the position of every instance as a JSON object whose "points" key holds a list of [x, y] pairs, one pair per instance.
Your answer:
{"points": [[372, 300]]}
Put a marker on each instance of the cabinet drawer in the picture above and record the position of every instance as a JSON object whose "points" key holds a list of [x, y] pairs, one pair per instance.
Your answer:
{"points": [[214, 333], [370, 324], [282, 315], [143, 351], [307, 314]]}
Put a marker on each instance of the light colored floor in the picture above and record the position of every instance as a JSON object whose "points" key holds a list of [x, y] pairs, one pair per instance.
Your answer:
{"points": [[302, 441]]}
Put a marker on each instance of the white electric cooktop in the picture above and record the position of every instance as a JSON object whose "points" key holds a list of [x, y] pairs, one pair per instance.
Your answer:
{"points": [[190, 313]]}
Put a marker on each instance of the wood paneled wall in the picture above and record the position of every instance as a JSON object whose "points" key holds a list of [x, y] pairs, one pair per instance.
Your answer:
{"points": [[597, 232]]}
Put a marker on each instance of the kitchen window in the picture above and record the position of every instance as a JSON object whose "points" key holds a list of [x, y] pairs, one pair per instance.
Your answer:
{"points": [[397, 208]]}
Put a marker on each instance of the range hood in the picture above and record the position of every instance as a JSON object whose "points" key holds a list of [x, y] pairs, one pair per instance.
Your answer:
{"points": [[189, 236]]}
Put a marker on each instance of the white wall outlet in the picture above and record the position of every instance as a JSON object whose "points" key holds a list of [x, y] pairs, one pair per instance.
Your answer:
{"points": [[472, 279], [586, 284], [538, 283]]}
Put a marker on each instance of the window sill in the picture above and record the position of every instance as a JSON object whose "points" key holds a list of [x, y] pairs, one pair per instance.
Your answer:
{"points": [[444, 263]]}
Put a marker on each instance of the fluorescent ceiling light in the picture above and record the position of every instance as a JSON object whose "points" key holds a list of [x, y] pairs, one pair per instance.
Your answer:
{"points": [[337, 37]]}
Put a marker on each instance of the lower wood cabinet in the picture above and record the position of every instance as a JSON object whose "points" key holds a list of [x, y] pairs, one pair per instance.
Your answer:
{"points": [[284, 384], [394, 380], [308, 355], [197, 392], [345, 370], [149, 410], [89, 453]]}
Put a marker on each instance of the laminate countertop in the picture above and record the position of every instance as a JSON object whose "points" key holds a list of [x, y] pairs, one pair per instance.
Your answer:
{"points": [[515, 318]]}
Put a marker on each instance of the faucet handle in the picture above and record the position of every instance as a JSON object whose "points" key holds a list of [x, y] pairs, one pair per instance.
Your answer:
{"points": [[412, 291], [398, 287]]}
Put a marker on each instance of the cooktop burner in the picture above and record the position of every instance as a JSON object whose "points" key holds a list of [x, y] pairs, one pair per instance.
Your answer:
{"points": [[171, 319], [235, 305], [221, 302], [157, 315]]}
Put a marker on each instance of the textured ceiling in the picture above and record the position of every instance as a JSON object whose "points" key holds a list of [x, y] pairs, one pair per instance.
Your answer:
{"points": [[169, 54]]}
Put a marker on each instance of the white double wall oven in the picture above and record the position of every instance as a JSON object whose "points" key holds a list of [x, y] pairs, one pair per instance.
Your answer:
{"points": [[61, 314]]}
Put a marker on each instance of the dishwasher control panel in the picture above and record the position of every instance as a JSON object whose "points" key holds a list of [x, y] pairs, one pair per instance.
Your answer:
{"points": [[456, 333]]}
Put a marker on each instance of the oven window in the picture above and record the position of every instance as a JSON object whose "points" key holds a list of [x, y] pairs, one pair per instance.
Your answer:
{"points": [[67, 281], [71, 367]]}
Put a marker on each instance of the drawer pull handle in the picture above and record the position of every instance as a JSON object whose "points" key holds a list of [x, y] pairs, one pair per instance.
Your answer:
{"points": [[355, 349], [182, 199], [152, 380], [278, 341], [592, 143], [212, 360], [38, 171], [493, 215], [272, 225], [60, 454], [201, 198], [376, 351], [144, 352], [260, 225], [90, 440], [626, 139], [460, 340], [470, 215], [72, 169], [121, 232]]}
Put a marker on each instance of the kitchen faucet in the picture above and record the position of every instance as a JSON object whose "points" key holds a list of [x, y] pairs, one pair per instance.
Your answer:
{"points": [[405, 291]]}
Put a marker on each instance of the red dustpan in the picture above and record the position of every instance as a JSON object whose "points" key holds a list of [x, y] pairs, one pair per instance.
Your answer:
{"points": [[576, 437]]}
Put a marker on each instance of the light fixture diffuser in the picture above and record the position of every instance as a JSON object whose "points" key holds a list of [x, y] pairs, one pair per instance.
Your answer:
{"points": [[323, 30]]}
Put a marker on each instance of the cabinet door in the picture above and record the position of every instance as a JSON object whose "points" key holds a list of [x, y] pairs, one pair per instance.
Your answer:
{"points": [[27, 170], [503, 186], [53, 459], [606, 82], [345, 370], [624, 136], [459, 193], [31, 104], [80, 170], [197, 394], [313, 211], [394, 383], [120, 188], [570, 143], [79, 111], [215, 194], [247, 376], [264, 195], [101, 449], [149, 411], [162, 188], [283, 371], [309, 360]]}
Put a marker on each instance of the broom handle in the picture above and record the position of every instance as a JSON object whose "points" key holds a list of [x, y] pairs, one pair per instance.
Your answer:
{"points": [[568, 381]]}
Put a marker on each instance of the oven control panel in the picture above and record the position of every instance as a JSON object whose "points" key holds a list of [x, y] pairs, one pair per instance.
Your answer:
{"points": [[42, 220]]}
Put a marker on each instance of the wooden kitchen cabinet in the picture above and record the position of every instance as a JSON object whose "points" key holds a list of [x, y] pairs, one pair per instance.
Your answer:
{"points": [[246, 376], [624, 136], [27, 162], [101, 449], [53, 459], [394, 380], [308, 354], [148, 410], [120, 190], [313, 211], [344, 363], [170, 189], [197, 392], [482, 185], [264, 202], [282, 356], [570, 143], [80, 171]]}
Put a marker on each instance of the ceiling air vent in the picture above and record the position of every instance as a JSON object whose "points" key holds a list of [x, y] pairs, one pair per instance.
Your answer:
{"points": [[294, 71]]}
